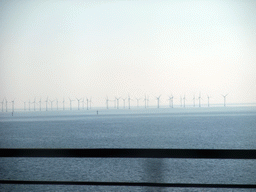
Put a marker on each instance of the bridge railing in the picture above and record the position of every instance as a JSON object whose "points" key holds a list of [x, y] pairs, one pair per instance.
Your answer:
{"points": [[130, 153]]}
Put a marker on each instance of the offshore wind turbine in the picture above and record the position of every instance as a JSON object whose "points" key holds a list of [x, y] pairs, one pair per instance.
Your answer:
{"points": [[2, 105], [46, 104], [51, 103], [199, 100], [107, 100], [78, 103], [13, 105], [34, 104], [63, 103], [70, 103], [117, 102], [124, 101], [138, 99], [40, 103], [158, 100], [171, 101], [24, 105], [87, 101], [224, 96], [146, 101], [6, 104], [129, 101], [184, 100], [194, 101], [208, 97]]}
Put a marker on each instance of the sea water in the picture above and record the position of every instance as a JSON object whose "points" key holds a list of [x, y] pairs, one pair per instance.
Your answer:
{"points": [[182, 128]]}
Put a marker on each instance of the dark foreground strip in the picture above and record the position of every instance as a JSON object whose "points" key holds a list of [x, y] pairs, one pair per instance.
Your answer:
{"points": [[128, 184], [132, 153]]}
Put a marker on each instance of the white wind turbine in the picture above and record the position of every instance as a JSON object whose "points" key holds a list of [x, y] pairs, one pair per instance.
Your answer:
{"points": [[117, 102], [46, 104], [78, 103], [199, 100], [138, 99], [208, 97], [40, 104], [146, 100], [129, 101], [158, 100], [184, 100], [124, 101], [51, 103], [34, 104], [2, 105], [171, 101], [24, 105], [6, 105], [63, 103], [70, 103], [87, 101], [194, 101], [107, 100], [224, 96], [13, 105]]}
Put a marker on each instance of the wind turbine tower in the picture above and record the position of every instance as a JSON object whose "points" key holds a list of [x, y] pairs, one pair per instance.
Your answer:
{"points": [[63, 103], [158, 100], [184, 100], [46, 104], [199, 100], [24, 105], [129, 101], [70, 103], [2, 105], [138, 99], [34, 104], [87, 101], [78, 103], [124, 101], [51, 103], [6, 104], [13, 105], [208, 97], [107, 102], [117, 102], [146, 101], [91, 103], [224, 96], [40, 103]]}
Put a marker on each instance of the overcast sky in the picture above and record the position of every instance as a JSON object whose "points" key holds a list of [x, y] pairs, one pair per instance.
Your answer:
{"points": [[115, 48]]}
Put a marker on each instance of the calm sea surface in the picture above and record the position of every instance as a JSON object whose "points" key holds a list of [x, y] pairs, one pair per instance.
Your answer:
{"points": [[203, 128]]}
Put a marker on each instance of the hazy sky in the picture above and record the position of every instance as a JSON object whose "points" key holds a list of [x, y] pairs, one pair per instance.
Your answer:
{"points": [[115, 48]]}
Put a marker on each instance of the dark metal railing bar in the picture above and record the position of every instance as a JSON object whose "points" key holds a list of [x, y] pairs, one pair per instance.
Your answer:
{"points": [[141, 184], [132, 153]]}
